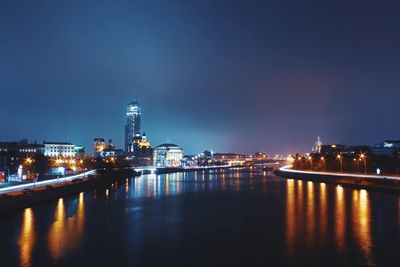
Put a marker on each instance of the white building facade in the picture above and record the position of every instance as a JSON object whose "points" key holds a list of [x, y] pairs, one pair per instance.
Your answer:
{"points": [[56, 150], [168, 155]]}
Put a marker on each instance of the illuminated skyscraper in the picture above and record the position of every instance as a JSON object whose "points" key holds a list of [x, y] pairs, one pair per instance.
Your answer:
{"points": [[132, 127]]}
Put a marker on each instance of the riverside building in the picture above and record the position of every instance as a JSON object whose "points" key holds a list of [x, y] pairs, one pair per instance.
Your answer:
{"points": [[59, 149], [168, 155], [142, 151]]}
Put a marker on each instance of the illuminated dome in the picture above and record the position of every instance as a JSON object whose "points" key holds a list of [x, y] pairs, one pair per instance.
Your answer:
{"points": [[167, 145]]}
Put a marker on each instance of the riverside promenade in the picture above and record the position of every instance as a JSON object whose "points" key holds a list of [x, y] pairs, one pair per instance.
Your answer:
{"points": [[51, 182], [16, 197], [370, 181]]}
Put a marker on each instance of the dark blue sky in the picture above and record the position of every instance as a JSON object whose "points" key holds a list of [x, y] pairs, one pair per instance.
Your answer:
{"points": [[240, 76]]}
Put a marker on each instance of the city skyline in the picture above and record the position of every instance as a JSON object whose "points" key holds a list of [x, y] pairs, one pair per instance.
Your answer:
{"points": [[136, 129], [255, 76], [199, 133]]}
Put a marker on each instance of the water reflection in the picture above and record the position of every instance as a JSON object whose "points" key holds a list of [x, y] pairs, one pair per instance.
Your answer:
{"points": [[26, 238], [310, 214], [316, 217], [315, 223], [152, 185], [323, 213], [66, 232], [299, 203], [340, 218], [167, 184], [56, 233], [290, 216], [361, 223]]}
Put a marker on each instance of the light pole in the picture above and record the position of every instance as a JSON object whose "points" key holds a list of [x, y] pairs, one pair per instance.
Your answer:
{"points": [[339, 157], [364, 158], [356, 164], [310, 159], [29, 163], [323, 162]]}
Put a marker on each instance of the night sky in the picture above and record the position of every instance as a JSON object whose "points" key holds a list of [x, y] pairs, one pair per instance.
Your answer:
{"points": [[231, 76]]}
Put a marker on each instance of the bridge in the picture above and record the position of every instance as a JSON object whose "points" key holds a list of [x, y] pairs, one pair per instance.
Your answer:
{"points": [[145, 169]]}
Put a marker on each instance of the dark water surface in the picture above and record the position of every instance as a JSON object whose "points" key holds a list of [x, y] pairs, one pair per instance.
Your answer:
{"points": [[213, 218]]}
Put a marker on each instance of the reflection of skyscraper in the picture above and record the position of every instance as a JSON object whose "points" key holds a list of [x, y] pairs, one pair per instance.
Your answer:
{"points": [[132, 127]]}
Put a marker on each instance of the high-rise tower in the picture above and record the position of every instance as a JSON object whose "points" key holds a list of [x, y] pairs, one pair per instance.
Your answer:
{"points": [[132, 127]]}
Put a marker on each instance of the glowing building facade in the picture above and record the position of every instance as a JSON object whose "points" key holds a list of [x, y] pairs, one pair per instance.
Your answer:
{"points": [[65, 150], [99, 145], [168, 155], [132, 127], [142, 151]]}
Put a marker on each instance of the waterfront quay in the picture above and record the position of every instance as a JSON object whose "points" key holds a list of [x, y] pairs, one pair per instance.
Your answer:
{"points": [[369, 181], [26, 195]]}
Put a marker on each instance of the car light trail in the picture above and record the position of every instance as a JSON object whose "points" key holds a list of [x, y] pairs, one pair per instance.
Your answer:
{"points": [[43, 183], [287, 169]]}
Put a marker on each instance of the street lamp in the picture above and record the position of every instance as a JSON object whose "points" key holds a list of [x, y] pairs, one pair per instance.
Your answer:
{"points": [[339, 157], [28, 162], [323, 162], [364, 158], [310, 159]]}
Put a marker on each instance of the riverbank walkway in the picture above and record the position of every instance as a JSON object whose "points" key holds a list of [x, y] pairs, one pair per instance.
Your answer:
{"points": [[287, 168], [39, 184]]}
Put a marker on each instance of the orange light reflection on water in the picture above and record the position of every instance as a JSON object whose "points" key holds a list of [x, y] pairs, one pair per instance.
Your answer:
{"points": [[66, 232], [310, 214], [340, 217], [27, 238], [323, 213], [290, 216], [361, 223]]}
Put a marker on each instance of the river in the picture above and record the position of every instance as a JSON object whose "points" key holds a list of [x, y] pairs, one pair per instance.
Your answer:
{"points": [[230, 217]]}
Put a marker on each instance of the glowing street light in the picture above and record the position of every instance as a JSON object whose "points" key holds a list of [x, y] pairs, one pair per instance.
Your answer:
{"points": [[323, 162], [364, 158], [339, 157], [290, 159], [310, 159]]}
